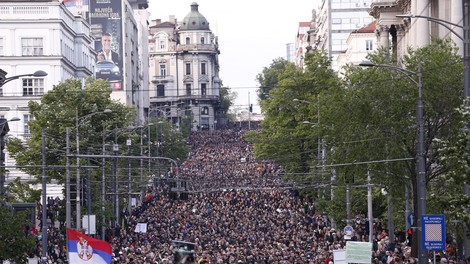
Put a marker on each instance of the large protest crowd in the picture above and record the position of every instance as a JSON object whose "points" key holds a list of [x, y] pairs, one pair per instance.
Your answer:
{"points": [[236, 210]]}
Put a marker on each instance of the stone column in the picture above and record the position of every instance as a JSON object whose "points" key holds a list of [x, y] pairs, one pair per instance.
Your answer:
{"points": [[383, 36], [421, 26], [457, 18]]}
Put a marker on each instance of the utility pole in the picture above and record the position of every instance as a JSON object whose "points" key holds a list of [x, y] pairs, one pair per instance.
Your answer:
{"points": [[369, 208], [44, 197], [466, 74], [68, 206]]}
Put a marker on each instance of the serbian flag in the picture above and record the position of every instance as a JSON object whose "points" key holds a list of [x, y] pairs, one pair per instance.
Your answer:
{"points": [[85, 249]]}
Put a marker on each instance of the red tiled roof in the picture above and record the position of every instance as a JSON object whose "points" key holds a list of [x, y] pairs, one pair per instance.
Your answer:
{"points": [[367, 29]]}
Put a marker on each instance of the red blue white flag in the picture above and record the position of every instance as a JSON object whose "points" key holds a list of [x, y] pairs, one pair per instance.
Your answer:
{"points": [[85, 249]]}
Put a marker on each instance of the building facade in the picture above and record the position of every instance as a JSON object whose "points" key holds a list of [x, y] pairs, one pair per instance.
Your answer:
{"points": [[39, 35], [360, 42], [398, 33], [184, 71], [334, 21]]}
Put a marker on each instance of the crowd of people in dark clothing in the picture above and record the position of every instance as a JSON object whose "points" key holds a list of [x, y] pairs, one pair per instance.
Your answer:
{"points": [[235, 209]]}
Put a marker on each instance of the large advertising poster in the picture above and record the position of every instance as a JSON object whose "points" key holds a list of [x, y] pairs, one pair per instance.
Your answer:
{"points": [[106, 25]]}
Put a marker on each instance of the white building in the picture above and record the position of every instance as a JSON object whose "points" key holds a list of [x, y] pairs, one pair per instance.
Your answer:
{"points": [[334, 21], [302, 43], [360, 42], [61, 39], [184, 71], [39, 36], [398, 33]]}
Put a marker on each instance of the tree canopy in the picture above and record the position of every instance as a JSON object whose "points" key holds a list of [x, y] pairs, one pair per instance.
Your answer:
{"points": [[363, 123]]}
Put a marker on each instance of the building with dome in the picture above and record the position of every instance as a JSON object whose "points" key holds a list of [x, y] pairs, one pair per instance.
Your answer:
{"points": [[184, 72]]}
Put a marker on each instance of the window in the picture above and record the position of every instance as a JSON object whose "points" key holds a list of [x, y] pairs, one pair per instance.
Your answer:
{"points": [[188, 41], [32, 47], [336, 21], [33, 86], [160, 90], [162, 44], [369, 44], [2, 44], [203, 68], [26, 119], [188, 68], [203, 89], [205, 110], [162, 69], [188, 89], [202, 40]]}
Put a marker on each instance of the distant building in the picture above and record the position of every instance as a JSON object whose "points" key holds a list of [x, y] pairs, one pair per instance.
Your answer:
{"points": [[184, 71], [334, 21], [301, 43], [290, 52], [360, 42]]}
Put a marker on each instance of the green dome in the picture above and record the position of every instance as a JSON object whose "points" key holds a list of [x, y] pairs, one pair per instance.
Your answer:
{"points": [[194, 20]]}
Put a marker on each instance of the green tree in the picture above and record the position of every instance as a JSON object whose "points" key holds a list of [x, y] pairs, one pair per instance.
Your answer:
{"points": [[454, 160], [227, 97], [22, 192], [58, 110], [269, 77], [284, 137], [14, 244]]}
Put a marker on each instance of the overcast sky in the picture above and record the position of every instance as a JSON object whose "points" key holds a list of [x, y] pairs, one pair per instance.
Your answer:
{"points": [[252, 33]]}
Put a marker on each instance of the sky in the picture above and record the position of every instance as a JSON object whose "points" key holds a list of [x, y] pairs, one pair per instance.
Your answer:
{"points": [[251, 34]]}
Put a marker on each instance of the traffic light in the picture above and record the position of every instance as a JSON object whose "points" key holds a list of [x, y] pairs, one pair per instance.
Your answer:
{"points": [[409, 236], [251, 108]]}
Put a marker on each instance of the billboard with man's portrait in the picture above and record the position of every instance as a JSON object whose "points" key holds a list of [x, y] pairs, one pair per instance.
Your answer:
{"points": [[106, 26]]}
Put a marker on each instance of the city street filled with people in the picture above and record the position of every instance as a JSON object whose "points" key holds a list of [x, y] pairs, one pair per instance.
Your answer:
{"points": [[235, 209]]}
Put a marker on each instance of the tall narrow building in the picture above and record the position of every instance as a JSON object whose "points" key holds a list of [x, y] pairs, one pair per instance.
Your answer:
{"points": [[184, 70], [334, 21]]}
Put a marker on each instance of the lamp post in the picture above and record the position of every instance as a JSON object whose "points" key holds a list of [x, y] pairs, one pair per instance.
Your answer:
{"points": [[77, 138], [4, 79], [420, 149], [3, 131], [466, 71]]}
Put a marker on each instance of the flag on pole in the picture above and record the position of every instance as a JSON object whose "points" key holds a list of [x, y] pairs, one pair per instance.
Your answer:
{"points": [[85, 249]]}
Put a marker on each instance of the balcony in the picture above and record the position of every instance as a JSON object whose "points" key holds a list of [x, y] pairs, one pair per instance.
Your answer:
{"points": [[162, 78], [196, 47]]}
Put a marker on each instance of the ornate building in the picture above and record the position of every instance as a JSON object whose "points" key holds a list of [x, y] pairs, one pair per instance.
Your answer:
{"points": [[184, 71], [398, 33]]}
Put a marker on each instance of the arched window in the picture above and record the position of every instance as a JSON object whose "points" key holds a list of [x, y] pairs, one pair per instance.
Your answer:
{"points": [[202, 40], [205, 110], [188, 41]]}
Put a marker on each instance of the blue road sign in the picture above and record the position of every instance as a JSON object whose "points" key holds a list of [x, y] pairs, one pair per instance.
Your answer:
{"points": [[411, 219], [433, 232]]}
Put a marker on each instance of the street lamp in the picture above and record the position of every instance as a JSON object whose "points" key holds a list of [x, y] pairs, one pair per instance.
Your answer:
{"points": [[420, 149], [3, 131], [465, 37], [4, 80], [78, 122]]}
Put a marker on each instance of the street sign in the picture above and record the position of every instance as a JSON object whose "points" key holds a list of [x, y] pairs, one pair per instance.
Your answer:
{"points": [[411, 219], [348, 230], [434, 232]]}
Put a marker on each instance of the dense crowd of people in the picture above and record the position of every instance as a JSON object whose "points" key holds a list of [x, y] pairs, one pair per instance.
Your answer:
{"points": [[236, 209]]}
